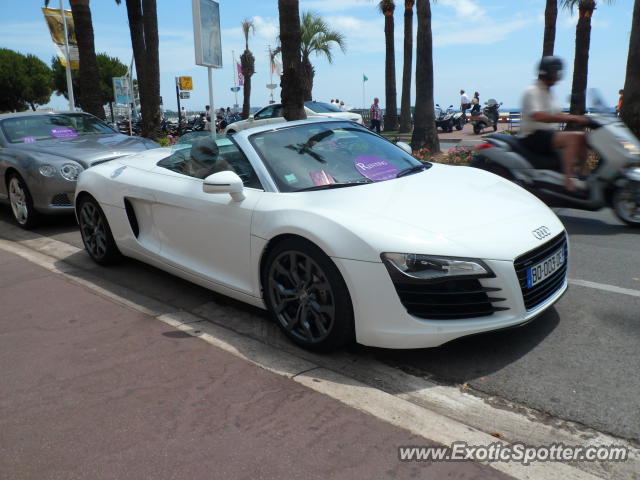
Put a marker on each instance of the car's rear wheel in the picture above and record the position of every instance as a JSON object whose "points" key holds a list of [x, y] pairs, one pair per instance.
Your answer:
{"points": [[21, 202], [96, 234], [307, 296]]}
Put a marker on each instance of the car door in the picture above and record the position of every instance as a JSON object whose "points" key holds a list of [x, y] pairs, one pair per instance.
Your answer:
{"points": [[208, 234]]}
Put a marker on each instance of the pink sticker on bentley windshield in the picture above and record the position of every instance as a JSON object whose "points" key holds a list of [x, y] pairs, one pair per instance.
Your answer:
{"points": [[63, 132], [375, 168]]}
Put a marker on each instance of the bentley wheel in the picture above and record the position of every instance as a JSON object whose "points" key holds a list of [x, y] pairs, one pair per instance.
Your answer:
{"points": [[626, 204], [21, 202], [96, 234], [307, 296]]}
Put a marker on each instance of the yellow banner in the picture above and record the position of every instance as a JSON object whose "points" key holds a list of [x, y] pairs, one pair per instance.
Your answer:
{"points": [[56, 28]]}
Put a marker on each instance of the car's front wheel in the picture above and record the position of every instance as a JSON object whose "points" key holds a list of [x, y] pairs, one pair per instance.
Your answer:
{"points": [[21, 202], [307, 296], [96, 234]]}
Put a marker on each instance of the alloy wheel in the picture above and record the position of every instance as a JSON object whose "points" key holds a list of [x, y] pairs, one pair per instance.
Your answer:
{"points": [[18, 200], [302, 297], [93, 230], [626, 203]]}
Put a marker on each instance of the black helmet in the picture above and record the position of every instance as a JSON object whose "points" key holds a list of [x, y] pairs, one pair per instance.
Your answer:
{"points": [[550, 68]]}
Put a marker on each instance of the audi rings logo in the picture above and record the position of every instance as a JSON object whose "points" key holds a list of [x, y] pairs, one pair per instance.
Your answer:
{"points": [[541, 232]]}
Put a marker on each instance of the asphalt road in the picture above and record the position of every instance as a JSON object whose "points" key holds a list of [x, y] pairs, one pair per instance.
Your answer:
{"points": [[579, 361]]}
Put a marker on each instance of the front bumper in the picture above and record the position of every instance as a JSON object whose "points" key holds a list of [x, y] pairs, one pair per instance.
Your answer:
{"points": [[382, 321]]}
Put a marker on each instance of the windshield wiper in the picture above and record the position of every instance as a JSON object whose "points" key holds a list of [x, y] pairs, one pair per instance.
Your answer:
{"points": [[410, 170], [329, 186]]}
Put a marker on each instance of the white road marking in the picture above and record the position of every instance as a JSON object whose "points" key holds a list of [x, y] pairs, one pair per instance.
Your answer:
{"points": [[605, 287]]}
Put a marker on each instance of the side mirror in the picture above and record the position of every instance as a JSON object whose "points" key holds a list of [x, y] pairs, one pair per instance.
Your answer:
{"points": [[405, 146], [224, 182]]}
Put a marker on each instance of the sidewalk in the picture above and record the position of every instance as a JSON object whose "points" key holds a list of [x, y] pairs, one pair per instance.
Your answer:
{"points": [[90, 389]]}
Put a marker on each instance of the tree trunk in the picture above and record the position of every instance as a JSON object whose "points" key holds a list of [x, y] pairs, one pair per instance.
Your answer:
{"points": [[143, 26], [308, 74], [292, 93], [581, 61], [405, 102], [391, 104], [550, 16], [89, 93], [424, 130], [631, 98], [247, 61]]}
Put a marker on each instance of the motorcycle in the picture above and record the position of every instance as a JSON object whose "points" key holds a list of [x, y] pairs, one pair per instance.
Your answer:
{"points": [[614, 183], [447, 120], [488, 118]]}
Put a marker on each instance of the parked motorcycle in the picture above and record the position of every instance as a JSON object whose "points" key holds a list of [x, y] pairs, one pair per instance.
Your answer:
{"points": [[487, 118], [615, 182], [444, 118]]}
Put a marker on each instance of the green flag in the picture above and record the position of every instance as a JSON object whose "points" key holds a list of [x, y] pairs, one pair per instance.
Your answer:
{"points": [[364, 78]]}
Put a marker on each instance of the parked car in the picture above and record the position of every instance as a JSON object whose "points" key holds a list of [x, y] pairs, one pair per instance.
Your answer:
{"points": [[273, 114], [338, 232], [41, 155]]}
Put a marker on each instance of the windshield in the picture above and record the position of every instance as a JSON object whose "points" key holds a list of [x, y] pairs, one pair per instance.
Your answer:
{"points": [[33, 128], [321, 107], [597, 104], [319, 154]]}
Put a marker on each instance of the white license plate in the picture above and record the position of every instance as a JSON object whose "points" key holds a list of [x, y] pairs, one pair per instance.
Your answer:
{"points": [[544, 269]]}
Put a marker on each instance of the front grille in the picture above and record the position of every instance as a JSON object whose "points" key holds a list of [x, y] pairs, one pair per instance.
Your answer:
{"points": [[449, 299], [537, 294], [61, 200]]}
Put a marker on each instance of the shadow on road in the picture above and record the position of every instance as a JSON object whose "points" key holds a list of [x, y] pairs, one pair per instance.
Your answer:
{"points": [[472, 357], [591, 226]]}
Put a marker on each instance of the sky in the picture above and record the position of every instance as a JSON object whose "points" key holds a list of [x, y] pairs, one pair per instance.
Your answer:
{"points": [[491, 46]]}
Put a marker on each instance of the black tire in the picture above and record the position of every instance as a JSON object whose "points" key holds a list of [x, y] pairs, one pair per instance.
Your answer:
{"points": [[96, 233], [460, 124], [312, 288], [21, 202], [626, 195], [495, 127], [230, 132], [477, 129]]}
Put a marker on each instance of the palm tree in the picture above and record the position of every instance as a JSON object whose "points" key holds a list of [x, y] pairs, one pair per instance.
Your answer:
{"points": [[581, 60], [292, 78], [387, 8], [631, 102], [143, 27], [89, 99], [550, 16], [424, 130], [405, 101], [247, 61], [316, 38]]}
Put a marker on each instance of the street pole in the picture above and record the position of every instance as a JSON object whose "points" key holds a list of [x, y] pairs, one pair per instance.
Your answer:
{"points": [[364, 103], [271, 73], [72, 100], [178, 99], [235, 80], [211, 106]]}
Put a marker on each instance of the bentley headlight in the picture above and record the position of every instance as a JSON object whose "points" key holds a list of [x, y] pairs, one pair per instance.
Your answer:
{"points": [[426, 267], [47, 170], [70, 171]]}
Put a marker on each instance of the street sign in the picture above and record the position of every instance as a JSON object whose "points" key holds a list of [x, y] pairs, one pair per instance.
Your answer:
{"points": [[121, 91], [235, 89], [272, 86], [185, 83], [185, 95]]}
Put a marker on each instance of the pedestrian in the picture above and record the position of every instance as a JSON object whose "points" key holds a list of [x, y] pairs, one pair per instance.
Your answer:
{"points": [[342, 107], [475, 104], [207, 111], [337, 103], [619, 106], [464, 104], [376, 115], [332, 101]]}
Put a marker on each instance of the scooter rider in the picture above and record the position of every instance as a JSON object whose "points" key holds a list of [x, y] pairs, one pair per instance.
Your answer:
{"points": [[540, 112]]}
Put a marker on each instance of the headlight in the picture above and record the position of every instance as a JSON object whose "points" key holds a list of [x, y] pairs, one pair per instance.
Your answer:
{"points": [[70, 171], [631, 147], [426, 267], [47, 170]]}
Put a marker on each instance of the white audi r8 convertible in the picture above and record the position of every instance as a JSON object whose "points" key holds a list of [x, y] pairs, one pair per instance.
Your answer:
{"points": [[339, 233]]}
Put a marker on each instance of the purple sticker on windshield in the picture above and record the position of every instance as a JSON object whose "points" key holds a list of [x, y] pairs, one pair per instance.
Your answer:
{"points": [[375, 168], [63, 132], [28, 139]]}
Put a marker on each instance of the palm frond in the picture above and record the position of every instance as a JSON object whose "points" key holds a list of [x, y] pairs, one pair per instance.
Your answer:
{"points": [[318, 37], [248, 27], [386, 7]]}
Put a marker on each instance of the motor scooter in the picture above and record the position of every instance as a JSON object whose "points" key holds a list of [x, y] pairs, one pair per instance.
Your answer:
{"points": [[447, 120], [615, 182], [487, 118]]}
